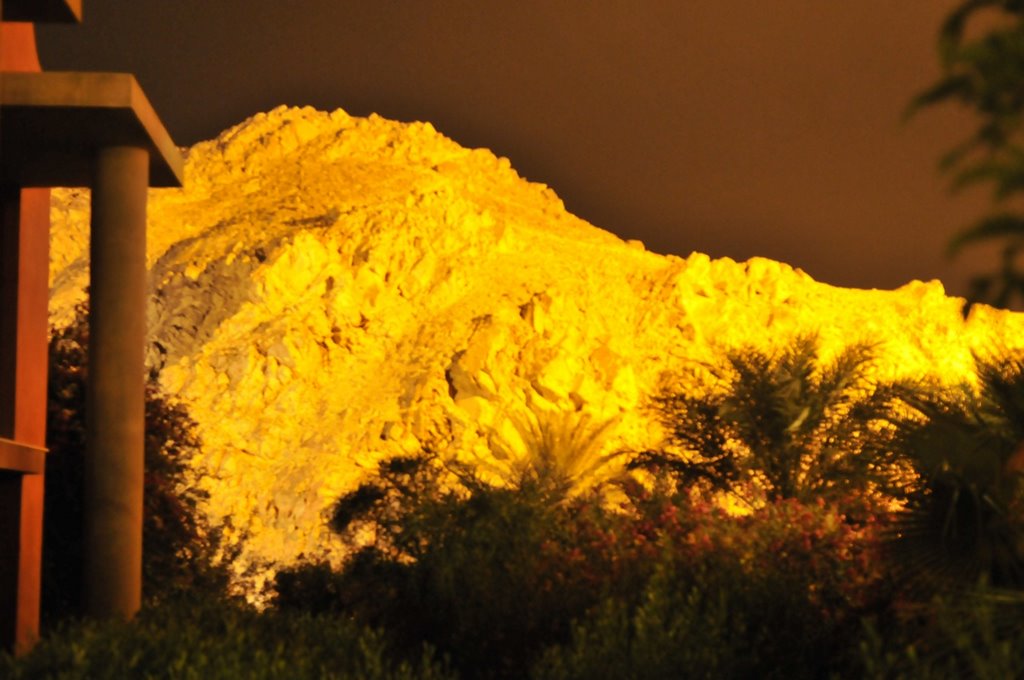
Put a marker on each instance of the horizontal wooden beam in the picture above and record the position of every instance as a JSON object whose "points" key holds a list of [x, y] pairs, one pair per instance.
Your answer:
{"points": [[15, 457], [53, 124], [43, 11]]}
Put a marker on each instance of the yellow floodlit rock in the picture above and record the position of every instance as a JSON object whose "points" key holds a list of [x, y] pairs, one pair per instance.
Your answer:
{"points": [[329, 290]]}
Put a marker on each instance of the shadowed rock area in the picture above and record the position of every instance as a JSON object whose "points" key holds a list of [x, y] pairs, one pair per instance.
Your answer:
{"points": [[329, 290]]}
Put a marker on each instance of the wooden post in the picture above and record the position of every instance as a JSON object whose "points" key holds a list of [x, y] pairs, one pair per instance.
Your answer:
{"points": [[116, 385], [24, 292]]}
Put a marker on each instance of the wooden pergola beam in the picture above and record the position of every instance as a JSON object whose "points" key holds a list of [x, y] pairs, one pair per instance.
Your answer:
{"points": [[53, 123], [23, 458], [43, 11]]}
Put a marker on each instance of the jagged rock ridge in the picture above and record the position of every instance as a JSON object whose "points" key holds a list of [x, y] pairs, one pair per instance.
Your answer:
{"points": [[328, 290]]}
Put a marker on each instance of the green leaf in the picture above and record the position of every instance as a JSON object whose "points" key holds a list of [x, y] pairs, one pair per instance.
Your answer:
{"points": [[952, 31], [993, 227], [958, 86]]}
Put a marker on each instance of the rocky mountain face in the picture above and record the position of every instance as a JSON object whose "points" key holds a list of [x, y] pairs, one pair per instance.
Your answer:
{"points": [[330, 290]]}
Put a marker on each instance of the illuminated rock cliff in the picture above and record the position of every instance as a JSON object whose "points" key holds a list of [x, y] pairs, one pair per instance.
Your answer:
{"points": [[328, 290]]}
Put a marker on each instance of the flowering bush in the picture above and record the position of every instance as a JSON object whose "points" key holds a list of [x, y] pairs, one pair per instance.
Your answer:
{"points": [[778, 593], [493, 576]]}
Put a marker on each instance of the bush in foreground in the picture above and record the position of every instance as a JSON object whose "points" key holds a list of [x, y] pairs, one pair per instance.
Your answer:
{"points": [[482, 573], [965, 522], [217, 641], [779, 593], [493, 577], [974, 634]]}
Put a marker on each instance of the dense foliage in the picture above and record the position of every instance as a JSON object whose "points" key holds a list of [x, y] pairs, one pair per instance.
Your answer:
{"points": [[831, 569], [843, 479], [494, 577], [218, 641], [179, 550], [486, 574], [782, 425]]}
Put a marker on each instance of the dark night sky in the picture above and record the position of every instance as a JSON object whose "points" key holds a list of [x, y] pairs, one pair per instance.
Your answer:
{"points": [[732, 127]]}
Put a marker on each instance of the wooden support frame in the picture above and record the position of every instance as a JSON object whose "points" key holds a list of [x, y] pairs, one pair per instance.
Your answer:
{"points": [[72, 129]]}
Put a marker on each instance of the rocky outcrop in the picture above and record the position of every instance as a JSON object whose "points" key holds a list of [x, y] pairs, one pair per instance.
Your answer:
{"points": [[328, 290]]}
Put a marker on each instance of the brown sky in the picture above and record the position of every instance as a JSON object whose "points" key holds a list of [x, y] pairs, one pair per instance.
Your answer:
{"points": [[733, 127]]}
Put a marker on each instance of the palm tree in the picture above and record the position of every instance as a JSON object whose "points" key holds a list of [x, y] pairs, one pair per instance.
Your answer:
{"points": [[784, 424], [560, 453], [965, 522]]}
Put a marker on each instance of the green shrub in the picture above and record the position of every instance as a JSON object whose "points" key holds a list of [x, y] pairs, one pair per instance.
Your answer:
{"points": [[178, 547], [974, 634], [780, 593], [493, 576], [213, 641], [683, 627], [713, 621], [488, 575]]}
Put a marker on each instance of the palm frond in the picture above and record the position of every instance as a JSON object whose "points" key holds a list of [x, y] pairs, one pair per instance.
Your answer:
{"points": [[967, 520], [1001, 225], [785, 421], [563, 452]]}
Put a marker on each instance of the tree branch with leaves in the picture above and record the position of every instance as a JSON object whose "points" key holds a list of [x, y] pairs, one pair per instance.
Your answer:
{"points": [[985, 74]]}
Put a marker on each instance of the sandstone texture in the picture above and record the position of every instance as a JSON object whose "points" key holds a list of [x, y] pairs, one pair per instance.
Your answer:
{"points": [[329, 290]]}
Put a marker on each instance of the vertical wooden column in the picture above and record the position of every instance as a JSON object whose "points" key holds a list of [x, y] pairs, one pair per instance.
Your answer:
{"points": [[24, 292], [24, 289], [116, 385]]}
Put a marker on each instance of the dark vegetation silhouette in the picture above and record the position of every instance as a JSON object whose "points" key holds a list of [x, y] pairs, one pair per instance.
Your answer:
{"points": [[493, 577], [214, 639], [982, 72], [179, 548], [842, 568], [965, 521], [881, 536], [783, 425], [486, 574]]}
